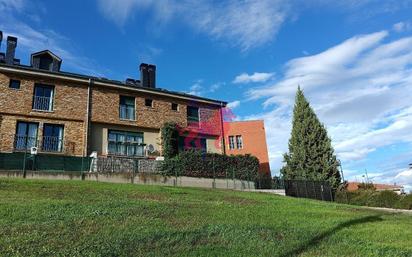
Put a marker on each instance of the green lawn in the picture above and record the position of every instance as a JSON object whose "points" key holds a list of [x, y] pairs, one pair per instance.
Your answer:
{"points": [[68, 218]]}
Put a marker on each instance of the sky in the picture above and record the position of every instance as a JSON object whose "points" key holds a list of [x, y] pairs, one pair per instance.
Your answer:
{"points": [[352, 58]]}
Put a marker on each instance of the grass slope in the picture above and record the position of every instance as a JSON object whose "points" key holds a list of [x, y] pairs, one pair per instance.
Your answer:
{"points": [[68, 218]]}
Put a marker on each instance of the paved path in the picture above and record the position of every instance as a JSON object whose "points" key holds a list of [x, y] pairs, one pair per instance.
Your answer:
{"points": [[390, 210]]}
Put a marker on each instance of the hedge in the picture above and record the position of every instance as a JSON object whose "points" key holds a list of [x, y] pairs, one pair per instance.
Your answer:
{"points": [[195, 163], [387, 199]]}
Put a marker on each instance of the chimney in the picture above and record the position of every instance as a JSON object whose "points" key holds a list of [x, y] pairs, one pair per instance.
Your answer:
{"points": [[152, 75], [144, 74], [11, 49]]}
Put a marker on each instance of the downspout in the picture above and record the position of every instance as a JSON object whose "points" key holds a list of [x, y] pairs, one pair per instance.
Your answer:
{"points": [[86, 139], [222, 129]]}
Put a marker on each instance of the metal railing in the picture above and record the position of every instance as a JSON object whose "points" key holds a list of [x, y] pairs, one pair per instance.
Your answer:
{"points": [[127, 112], [193, 122], [52, 144], [128, 149], [42, 103], [22, 142]]}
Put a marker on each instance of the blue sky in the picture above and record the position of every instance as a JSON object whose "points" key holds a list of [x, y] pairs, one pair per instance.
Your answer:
{"points": [[353, 60]]}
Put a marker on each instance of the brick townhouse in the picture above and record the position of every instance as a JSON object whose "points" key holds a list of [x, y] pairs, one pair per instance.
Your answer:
{"points": [[71, 114]]}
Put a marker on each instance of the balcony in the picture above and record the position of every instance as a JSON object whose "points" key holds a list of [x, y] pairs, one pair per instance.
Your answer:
{"points": [[52, 144], [127, 112], [48, 144], [41, 103], [22, 143]]}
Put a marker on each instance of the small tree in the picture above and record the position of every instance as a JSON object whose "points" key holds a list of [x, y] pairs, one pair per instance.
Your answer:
{"points": [[311, 155], [169, 139]]}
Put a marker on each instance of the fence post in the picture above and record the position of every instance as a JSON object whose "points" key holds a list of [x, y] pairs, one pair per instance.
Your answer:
{"points": [[233, 174], [24, 162], [214, 172]]}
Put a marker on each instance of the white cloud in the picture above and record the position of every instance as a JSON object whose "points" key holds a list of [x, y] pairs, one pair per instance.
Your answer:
{"points": [[360, 89], [234, 104], [255, 77], [245, 24], [402, 26]]}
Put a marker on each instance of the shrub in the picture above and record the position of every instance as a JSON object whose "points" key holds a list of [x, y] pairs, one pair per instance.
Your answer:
{"points": [[169, 135], [195, 163], [388, 199], [406, 202]]}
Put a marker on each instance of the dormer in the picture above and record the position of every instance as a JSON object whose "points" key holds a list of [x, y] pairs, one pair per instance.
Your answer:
{"points": [[46, 60]]}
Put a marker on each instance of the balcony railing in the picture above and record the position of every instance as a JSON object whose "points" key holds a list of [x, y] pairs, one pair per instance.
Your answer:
{"points": [[52, 144], [42, 103], [127, 112], [130, 149], [48, 144], [193, 122], [22, 142]]}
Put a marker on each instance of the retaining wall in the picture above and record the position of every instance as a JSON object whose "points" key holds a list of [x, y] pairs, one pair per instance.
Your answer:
{"points": [[136, 178]]}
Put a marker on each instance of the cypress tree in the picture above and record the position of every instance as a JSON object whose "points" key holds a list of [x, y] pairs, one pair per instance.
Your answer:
{"points": [[311, 155]]}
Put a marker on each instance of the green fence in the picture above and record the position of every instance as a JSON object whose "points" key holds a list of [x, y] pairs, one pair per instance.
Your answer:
{"points": [[43, 162]]}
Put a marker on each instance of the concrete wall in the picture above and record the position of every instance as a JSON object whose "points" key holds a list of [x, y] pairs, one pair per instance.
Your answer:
{"points": [[138, 178]]}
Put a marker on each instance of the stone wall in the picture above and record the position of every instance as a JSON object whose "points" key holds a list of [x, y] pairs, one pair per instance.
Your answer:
{"points": [[73, 139], [106, 109]]}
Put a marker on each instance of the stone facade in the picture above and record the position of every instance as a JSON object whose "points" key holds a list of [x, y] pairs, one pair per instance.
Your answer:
{"points": [[106, 109], [69, 110], [70, 105]]}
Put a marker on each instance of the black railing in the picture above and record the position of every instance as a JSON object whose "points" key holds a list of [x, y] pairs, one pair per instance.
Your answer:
{"points": [[42, 103], [129, 149], [193, 121], [22, 142], [320, 190], [52, 144]]}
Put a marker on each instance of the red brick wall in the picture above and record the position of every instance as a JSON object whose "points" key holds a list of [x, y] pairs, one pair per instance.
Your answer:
{"points": [[254, 140]]}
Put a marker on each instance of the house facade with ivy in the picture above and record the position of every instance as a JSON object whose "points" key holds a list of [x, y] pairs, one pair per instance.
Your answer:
{"points": [[64, 113]]}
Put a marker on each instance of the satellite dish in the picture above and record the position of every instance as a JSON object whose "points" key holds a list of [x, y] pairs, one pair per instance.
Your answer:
{"points": [[150, 148], [33, 150]]}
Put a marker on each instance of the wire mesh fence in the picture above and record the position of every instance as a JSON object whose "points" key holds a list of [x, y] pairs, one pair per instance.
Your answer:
{"points": [[27, 162], [116, 169], [319, 190]]}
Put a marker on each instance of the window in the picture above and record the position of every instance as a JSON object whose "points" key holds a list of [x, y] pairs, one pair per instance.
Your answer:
{"points": [[175, 107], [26, 135], [188, 143], [125, 143], [193, 116], [52, 138], [43, 97], [231, 142], [148, 102], [127, 108], [46, 63], [15, 84], [239, 142]]}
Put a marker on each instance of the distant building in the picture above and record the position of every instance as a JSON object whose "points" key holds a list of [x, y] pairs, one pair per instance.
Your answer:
{"points": [[247, 137], [353, 186]]}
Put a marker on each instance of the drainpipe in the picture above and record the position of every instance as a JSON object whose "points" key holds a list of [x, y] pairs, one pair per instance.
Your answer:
{"points": [[88, 114], [222, 129]]}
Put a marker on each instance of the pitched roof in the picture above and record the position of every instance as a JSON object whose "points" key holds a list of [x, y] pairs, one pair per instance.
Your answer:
{"points": [[353, 186]]}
